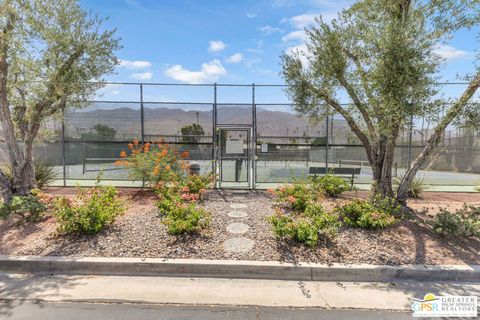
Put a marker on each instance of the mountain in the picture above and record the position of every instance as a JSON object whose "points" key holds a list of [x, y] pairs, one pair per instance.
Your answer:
{"points": [[169, 119]]}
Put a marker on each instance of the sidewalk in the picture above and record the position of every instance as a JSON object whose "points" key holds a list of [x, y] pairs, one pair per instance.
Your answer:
{"points": [[224, 292]]}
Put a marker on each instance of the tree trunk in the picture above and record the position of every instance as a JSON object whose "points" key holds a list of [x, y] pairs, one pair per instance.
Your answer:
{"points": [[5, 188], [434, 140]]}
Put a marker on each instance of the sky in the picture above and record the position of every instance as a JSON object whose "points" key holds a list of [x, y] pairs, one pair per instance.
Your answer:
{"points": [[224, 41]]}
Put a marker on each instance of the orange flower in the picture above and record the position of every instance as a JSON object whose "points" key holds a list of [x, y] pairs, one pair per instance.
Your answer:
{"points": [[130, 146], [167, 167], [164, 152], [135, 142], [123, 154], [185, 154], [156, 171]]}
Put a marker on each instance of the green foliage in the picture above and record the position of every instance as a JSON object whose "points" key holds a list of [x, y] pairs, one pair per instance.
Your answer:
{"points": [[305, 227], [28, 207], [464, 222], [364, 214], [159, 164], [92, 210], [181, 217], [192, 132], [54, 55], [416, 189], [99, 132], [387, 64], [331, 185], [296, 196], [44, 173]]}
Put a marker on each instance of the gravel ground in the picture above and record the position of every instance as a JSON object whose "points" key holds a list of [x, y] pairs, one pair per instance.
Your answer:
{"points": [[140, 233]]}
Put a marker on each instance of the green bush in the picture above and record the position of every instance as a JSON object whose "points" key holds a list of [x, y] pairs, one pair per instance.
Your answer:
{"points": [[296, 196], [93, 210], [331, 185], [44, 173], [464, 222], [416, 188], [364, 214], [182, 217], [306, 227], [28, 207]]}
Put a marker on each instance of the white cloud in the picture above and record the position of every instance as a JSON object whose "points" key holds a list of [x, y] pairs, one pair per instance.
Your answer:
{"points": [[136, 64], [298, 35], [448, 52], [142, 76], [210, 72], [303, 20], [308, 19], [268, 30], [251, 15], [235, 58], [216, 46]]}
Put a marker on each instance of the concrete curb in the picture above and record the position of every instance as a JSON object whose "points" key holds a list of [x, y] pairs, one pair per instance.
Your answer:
{"points": [[270, 270]]}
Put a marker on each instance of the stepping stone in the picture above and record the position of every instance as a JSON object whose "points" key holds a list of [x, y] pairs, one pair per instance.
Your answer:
{"points": [[237, 214], [238, 206], [238, 228], [238, 245]]}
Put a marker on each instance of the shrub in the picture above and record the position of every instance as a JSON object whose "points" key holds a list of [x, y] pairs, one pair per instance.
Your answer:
{"points": [[28, 207], [296, 196], [44, 173], [364, 214], [160, 163], [464, 222], [94, 209], [307, 227], [180, 217], [416, 188], [331, 185]]}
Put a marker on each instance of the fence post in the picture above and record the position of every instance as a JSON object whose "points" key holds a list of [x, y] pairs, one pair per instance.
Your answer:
{"points": [[254, 139], [142, 116], [142, 124], [64, 168], [327, 140], [214, 135]]}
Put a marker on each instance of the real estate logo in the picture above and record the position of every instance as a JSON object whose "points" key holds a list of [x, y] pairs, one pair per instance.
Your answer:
{"points": [[445, 306]]}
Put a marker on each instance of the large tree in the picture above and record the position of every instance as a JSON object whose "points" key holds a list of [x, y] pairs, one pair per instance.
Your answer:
{"points": [[53, 55], [381, 55]]}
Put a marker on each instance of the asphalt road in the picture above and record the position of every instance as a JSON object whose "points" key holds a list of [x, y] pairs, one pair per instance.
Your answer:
{"points": [[113, 311]]}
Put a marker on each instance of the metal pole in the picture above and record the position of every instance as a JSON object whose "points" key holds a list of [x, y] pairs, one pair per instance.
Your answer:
{"points": [[254, 140], [142, 125], [327, 140], [214, 135], [410, 142], [142, 116], [64, 150]]}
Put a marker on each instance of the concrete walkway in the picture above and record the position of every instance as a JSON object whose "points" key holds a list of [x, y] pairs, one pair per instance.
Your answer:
{"points": [[237, 243], [225, 292]]}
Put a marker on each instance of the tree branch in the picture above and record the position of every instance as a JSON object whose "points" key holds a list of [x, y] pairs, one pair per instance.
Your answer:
{"points": [[351, 122], [358, 103], [435, 138]]}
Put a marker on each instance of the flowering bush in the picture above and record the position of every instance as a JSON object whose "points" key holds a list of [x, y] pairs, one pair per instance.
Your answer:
{"points": [[93, 209], [296, 196], [154, 163]]}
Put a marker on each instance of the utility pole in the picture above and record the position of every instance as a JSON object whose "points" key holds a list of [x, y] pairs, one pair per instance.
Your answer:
{"points": [[197, 118]]}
